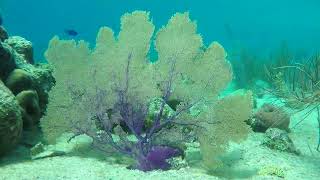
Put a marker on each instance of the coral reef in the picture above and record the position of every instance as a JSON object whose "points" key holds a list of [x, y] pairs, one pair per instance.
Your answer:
{"points": [[270, 116], [28, 84], [18, 75]]}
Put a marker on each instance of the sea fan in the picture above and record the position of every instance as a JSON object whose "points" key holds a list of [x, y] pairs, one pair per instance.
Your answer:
{"points": [[129, 114]]}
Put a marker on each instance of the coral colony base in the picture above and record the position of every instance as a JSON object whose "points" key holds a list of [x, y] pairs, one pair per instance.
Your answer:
{"points": [[114, 113]]}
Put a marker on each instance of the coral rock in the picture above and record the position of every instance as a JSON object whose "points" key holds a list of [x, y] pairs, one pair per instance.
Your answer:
{"points": [[10, 120], [42, 80], [22, 46], [37, 149], [19, 80], [7, 61], [279, 140], [3, 34], [270, 116], [29, 102]]}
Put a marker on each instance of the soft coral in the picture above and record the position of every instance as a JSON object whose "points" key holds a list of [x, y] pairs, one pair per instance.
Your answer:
{"points": [[130, 113]]}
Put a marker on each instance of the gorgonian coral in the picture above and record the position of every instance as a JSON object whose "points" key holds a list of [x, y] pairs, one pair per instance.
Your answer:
{"points": [[106, 92]]}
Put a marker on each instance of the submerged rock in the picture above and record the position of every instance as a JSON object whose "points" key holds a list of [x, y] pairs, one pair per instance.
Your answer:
{"points": [[279, 140], [21, 46], [21, 75], [19, 80], [37, 149], [7, 61], [10, 120], [3, 34], [43, 81], [30, 83], [30, 109], [270, 116], [26, 76]]}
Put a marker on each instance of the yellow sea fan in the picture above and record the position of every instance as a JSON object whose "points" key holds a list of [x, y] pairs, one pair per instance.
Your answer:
{"points": [[224, 121], [70, 61], [75, 63]]}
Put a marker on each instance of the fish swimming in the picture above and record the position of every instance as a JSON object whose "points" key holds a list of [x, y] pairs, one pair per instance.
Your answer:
{"points": [[71, 32]]}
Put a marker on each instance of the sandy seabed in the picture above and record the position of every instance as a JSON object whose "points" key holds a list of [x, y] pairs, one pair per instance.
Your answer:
{"points": [[242, 161]]}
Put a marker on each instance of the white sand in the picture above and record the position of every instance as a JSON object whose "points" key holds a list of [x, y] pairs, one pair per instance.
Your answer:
{"points": [[86, 168]]}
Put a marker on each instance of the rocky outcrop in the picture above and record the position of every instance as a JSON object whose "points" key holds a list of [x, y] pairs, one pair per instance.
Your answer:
{"points": [[30, 109], [270, 116], [7, 60], [23, 91], [22, 47], [278, 139], [3, 34], [18, 80], [10, 120]]}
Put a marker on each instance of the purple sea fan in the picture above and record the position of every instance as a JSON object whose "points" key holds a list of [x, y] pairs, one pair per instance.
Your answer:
{"points": [[157, 158]]}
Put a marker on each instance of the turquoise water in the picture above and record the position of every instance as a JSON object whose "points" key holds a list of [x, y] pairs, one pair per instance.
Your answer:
{"points": [[233, 96], [259, 25]]}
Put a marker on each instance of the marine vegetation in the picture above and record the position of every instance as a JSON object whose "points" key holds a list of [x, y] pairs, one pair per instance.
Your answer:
{"points": [[248, 69], [250, 66], [298, 85], [106, 92]]}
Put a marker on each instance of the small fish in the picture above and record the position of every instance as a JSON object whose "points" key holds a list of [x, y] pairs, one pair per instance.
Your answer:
{"points": [[71, 32]]}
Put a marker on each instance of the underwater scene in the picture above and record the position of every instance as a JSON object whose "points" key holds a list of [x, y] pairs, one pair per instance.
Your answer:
{"points": [[146, 89]]}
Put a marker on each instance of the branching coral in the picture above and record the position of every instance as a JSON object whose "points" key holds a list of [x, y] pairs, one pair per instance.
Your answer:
{"points": [[108, 95]]}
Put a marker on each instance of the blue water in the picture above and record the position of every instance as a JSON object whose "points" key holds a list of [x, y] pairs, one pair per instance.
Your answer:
{"points": [[259, 25]]}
